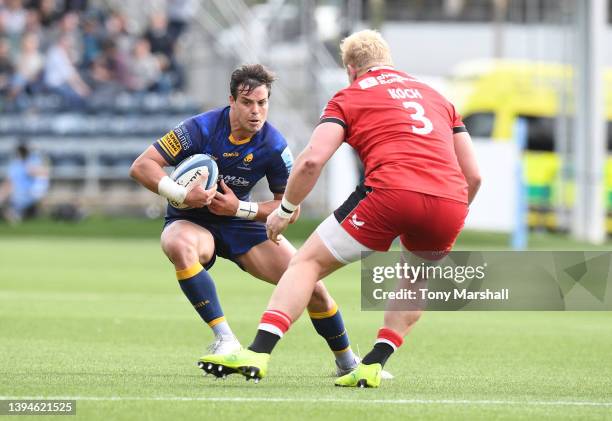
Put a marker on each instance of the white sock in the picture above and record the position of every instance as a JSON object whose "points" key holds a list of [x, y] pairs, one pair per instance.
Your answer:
{"points": [[222, 329], [346, 359]]}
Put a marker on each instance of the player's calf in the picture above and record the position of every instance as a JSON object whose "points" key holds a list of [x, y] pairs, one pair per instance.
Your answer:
{"points": [[330, 325]]}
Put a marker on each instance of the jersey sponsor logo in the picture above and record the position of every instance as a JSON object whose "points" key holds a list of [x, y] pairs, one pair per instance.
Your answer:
{"points": [[368, 82], [170, 144], [232, 180], [355, 222], [387, 78], [287, 158], [183, 136], [231, 154]]}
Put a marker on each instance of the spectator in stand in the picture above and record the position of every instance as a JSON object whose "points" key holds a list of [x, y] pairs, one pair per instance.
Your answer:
{"points": [[180, 12], [33, 23], [163, 45], [13, 21], [109, 71], [145, 69], [47, 11], [159, 37], [29, 65], [13, 18], [61, 75], [68, 26], [117, 29], [6, 66], [91, 41]]}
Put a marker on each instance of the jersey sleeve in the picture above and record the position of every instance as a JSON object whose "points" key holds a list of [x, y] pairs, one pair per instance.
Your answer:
{"points": [[458, 126], [278, 173], [184, 140], [334, 112]]}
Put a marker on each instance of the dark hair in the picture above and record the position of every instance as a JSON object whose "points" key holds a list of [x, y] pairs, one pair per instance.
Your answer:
{"points": [[22, 149], [248, 77]]}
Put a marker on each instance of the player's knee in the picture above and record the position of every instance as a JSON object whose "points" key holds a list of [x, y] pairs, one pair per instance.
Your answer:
{"points": [[181, 251], [321, 298]]}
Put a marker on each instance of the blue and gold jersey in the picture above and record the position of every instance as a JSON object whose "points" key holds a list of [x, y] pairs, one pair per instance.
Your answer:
{"points": [[241, 163]]}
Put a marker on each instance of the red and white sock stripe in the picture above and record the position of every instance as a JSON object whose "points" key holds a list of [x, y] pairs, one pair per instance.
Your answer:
{"points": [[275, 322], [389, 337]]}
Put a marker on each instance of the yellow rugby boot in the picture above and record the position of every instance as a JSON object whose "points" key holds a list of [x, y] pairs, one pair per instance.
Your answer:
{"points": [[252, 365], [362, 376]]}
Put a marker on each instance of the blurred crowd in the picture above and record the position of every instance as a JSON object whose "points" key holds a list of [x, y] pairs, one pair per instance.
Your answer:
{"points": [[80, 53]]}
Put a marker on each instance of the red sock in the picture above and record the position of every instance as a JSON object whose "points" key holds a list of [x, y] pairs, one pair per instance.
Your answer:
{"points": [[389, 337], [275, 322]]}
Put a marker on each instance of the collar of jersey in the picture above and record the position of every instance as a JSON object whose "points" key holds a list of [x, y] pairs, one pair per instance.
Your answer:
{"points": [[233, 140], [376, 68]]}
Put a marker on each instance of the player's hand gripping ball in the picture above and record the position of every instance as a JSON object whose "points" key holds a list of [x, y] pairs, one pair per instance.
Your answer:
{"points": [[197, 169]]}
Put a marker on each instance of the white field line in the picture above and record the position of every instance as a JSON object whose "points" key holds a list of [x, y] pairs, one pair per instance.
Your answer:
{"points": [[466, 402]]}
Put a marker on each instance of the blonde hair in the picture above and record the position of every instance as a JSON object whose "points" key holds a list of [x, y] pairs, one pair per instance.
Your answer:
{"points": [[364, 49]]}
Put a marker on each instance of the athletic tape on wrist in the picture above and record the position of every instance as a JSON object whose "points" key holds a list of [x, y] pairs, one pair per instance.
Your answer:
{"points": [[247, 210], [280, 212], [287, 206], [171, 190]]}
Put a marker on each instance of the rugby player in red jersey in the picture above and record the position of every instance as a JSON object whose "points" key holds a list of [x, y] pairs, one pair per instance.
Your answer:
{"points": [[420, 176]]}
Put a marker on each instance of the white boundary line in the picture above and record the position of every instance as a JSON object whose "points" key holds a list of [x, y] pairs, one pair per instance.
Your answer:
{"points": [[315, 400]]}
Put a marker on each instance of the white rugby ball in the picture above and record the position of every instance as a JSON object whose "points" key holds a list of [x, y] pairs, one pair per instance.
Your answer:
{"points": [[188, 171]]}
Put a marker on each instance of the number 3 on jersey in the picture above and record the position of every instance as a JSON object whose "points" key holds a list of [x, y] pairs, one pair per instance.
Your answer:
{"points": [[419, 115]]}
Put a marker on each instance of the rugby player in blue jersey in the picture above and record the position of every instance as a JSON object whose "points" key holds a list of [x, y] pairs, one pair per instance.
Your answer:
{"points": [[223, 221]]}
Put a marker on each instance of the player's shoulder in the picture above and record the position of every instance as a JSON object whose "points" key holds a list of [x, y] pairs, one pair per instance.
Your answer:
{"points": [[342, 94], [273, 137]]}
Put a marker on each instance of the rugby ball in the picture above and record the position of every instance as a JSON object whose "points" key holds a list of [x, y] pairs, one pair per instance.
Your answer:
{"points": [[188, 171]]}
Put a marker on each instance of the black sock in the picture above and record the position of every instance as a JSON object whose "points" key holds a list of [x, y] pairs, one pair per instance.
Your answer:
{"points": [[264, 342], [379, 354]]}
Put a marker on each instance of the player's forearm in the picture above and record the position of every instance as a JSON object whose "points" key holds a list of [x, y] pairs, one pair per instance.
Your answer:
{"points": [[466, 157], [473, 186], [303, 178]]}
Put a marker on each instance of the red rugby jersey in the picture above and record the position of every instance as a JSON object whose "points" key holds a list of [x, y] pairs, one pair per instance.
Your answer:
{"points": [[402, 130]]}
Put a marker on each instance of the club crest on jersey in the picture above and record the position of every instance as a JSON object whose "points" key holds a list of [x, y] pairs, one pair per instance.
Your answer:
{"points": [[246, 162]]}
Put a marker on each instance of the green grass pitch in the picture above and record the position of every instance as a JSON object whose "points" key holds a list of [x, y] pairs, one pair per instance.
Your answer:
{"points": [[103, 320]]}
